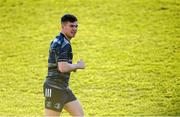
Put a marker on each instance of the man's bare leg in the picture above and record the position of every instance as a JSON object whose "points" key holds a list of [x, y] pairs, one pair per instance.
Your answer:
{"points": [[49, 112], [74, 108]]}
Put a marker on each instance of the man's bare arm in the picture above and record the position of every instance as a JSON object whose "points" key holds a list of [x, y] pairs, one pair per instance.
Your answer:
{"points": [[67, 67]]}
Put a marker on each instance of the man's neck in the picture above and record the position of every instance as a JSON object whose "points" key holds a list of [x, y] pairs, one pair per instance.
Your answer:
{"points": [[68, 38]]}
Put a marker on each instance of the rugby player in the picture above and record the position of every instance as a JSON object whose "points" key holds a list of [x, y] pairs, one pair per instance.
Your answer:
{"points": [[57, 93]]}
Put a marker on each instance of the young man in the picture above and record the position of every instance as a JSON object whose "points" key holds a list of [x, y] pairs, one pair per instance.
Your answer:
{"points": [[56, 91]]}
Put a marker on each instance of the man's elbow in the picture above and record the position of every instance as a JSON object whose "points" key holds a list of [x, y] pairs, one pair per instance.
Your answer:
{"points": [[62, 69]]}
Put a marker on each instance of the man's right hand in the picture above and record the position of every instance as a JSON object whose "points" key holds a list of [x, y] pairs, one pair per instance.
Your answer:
{"points": [[80, 64]]}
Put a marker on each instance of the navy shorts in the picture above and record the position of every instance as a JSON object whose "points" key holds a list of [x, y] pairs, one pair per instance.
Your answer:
{"points": [[55, 99]]}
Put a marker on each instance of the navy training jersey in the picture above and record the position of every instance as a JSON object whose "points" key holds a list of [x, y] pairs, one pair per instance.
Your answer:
{"points": [[60, 51]]}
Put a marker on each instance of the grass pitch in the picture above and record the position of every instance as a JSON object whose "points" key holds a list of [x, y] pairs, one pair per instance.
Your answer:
{"points": [[131, 49]]}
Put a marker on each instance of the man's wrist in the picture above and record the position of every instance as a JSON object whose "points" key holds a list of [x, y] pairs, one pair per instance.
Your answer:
{"points": [[75, 67]]}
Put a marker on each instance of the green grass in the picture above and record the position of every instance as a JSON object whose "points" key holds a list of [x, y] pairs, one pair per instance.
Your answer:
{"points": [[131, 49]]}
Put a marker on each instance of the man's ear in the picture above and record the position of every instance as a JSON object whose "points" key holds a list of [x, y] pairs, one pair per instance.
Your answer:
{"points": [[63, 24]]}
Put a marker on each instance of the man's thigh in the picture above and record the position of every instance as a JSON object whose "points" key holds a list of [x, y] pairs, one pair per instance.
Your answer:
{"points": [[74, 108]]}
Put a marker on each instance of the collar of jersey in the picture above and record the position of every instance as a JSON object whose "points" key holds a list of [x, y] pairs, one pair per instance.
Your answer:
{"points": [[64, 36]]}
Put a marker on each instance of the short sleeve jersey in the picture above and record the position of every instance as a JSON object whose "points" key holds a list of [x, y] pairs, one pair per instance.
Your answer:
{"points": [[60, 51]]}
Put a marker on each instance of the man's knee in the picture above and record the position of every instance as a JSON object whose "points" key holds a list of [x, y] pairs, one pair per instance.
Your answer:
{"points": [[80, 113]]}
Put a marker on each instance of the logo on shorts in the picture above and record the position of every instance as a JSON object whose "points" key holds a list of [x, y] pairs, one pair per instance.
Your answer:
{"points": [[57, 106], [48, 104]]}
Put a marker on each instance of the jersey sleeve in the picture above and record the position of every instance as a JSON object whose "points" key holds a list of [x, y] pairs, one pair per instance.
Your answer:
{"points": [[63, 53]]}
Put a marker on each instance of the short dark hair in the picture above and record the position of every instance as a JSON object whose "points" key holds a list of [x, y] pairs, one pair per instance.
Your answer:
{"points": [[68, 18]]}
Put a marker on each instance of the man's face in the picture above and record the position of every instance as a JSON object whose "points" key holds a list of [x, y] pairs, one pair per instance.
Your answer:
{"points": [[70, 29]]}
